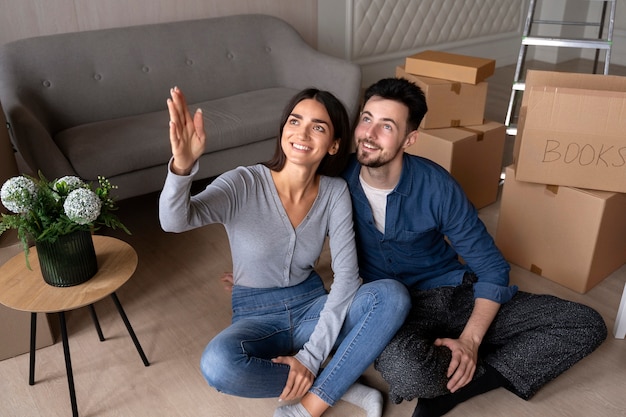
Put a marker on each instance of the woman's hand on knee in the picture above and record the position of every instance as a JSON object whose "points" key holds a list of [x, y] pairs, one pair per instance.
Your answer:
{"points": [[299, 381], [228, 281]]}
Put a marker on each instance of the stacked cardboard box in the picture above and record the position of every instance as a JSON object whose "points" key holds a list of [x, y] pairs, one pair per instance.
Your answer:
{"points": [[454, 132], [563, 202], [15, 325]]}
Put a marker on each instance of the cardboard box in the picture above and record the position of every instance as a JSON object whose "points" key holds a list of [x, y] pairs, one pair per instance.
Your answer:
{"points": [[574, 137], [572, 236], [473, 155], [454, 67], [536, 78], [450, 103], [15, 325]]}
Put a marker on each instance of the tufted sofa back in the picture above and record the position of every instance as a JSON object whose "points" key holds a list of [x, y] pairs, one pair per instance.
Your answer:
{"points": [[94, 103], [72, 79]]}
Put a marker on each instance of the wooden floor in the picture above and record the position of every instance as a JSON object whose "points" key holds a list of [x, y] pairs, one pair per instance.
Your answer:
{"points": [[176, 305]]}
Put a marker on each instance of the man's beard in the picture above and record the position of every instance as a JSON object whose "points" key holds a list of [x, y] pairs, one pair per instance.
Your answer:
{"points": [[373, 162]]}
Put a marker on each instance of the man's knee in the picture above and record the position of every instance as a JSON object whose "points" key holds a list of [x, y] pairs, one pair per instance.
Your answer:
{"points": [[593, 330]]}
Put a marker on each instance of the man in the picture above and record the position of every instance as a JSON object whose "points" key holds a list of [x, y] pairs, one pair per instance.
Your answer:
{"points": [[469, 331]]}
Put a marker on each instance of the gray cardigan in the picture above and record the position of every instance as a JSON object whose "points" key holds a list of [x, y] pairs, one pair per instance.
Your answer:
{"points": [[266, 250]]}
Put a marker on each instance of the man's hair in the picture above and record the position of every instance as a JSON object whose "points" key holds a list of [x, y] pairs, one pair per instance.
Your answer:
{"points": [[331, 165], [402, 91]]}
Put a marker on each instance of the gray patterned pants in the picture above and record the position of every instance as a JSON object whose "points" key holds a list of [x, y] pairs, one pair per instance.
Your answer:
{"points": [[533, 339]]}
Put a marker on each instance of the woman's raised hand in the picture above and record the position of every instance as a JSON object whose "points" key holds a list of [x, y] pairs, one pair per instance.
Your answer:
{"points": [[187, 136]]}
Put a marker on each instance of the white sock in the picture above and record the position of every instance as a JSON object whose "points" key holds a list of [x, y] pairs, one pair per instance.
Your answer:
{"points": [[292, 410], [369, 399]]}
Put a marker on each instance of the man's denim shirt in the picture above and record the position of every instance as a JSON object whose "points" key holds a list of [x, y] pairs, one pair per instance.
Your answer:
{"points": [[427, 207]]}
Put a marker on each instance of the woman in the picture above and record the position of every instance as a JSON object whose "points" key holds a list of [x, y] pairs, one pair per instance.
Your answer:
{"points": [[277, 216]]}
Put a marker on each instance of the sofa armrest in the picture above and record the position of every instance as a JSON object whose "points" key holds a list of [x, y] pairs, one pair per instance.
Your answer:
{"points": [[340, 77], [35, 144], [302, 66]]}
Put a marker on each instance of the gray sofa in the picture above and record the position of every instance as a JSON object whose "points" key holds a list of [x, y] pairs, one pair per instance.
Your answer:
{"points": [[94, 103]]}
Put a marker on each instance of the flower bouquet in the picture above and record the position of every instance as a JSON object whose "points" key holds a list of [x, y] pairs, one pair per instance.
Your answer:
{"points": [[46, 212]]}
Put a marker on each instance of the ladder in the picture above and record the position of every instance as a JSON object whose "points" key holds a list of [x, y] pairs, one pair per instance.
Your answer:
{"points": [[599, 43]]}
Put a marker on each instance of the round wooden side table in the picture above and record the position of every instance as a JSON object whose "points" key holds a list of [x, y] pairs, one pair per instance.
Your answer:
{"points": [[25, 290]]}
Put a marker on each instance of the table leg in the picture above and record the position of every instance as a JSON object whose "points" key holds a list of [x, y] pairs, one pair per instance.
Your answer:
{"points": [[96, 323], [68, 364], [33, 339], [130, 329]]}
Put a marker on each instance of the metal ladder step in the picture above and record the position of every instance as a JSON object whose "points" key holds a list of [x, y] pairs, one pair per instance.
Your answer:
{"points": [[601, 43], [567, 43]]}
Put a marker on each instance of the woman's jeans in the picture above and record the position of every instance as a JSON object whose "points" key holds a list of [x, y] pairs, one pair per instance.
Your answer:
{"points": [[268, 323]]}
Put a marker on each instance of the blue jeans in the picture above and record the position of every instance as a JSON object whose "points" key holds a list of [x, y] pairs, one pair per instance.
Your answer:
{"points": [[277, 322]]}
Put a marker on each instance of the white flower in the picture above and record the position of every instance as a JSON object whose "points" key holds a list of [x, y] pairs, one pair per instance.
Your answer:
{"points": [[82, 206], [70, 182], [18, 194]]}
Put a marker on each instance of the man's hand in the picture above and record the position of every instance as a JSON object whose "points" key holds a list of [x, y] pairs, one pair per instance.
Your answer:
{"points": [[463, 362], [465, 348], [299, 381]]}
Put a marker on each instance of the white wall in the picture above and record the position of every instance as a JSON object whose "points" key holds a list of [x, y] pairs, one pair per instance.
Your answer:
{"points": [[579, 11], [395, 29], [380, 34], [26, 18]]}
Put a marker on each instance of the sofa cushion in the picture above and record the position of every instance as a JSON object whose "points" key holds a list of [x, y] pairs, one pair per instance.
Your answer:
{"points": [[142, 141]]}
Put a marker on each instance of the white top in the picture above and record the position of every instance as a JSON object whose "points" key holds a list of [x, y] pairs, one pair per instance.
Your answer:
{"points": [[377, 198]]}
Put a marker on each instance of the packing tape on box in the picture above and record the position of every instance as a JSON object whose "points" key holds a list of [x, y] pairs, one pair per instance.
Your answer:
{"points": [[479, 135], [455, 88], [554, 189], [535, 269]]}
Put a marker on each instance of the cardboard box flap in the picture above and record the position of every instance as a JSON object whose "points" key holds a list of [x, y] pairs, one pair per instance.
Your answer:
{"points": [[572, 80], [577, 110]]}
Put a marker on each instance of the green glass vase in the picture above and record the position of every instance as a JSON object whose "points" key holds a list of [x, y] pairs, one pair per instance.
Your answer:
{"points": [[68, 261]]}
